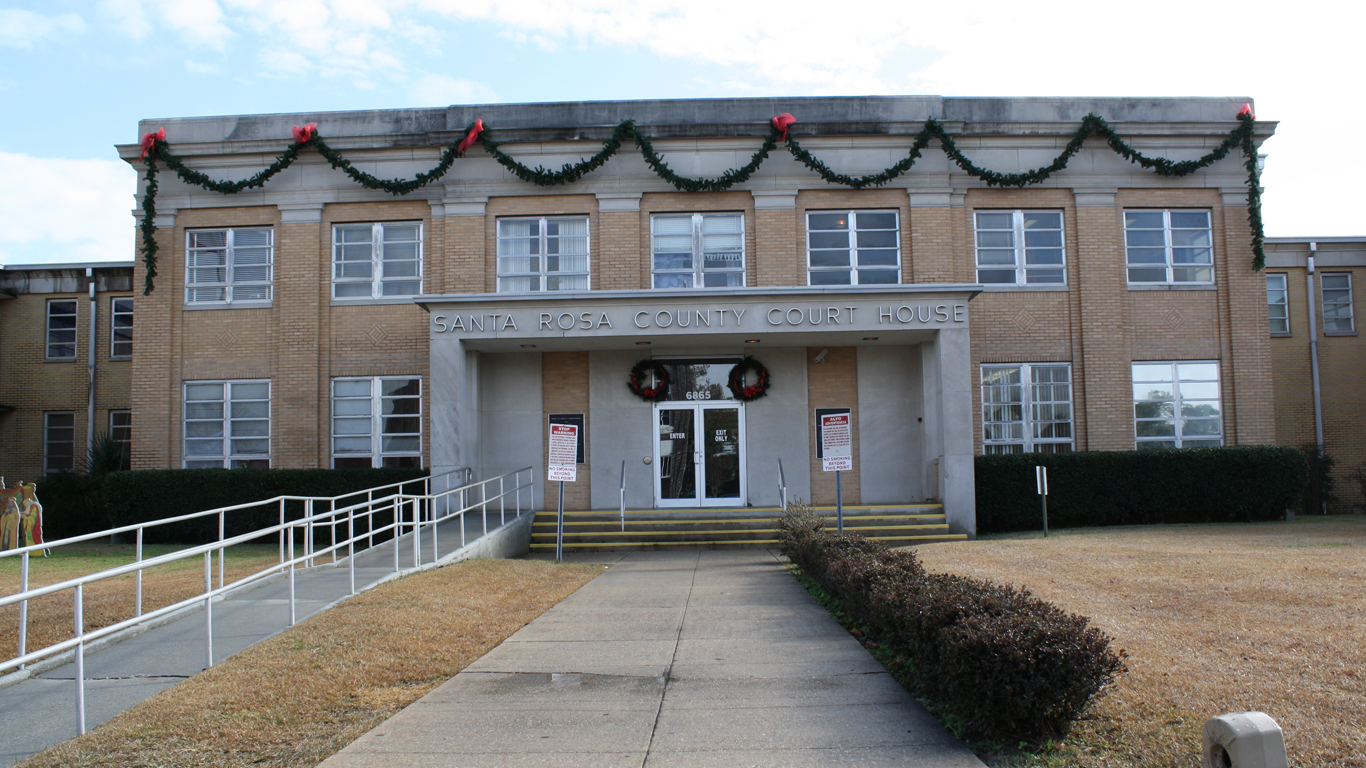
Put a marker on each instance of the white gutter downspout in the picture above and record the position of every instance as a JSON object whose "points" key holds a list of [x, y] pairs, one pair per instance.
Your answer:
{"points": [[1314, 358], [90, 404]]}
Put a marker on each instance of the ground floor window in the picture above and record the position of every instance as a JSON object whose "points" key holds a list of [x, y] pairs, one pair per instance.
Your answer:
{"points": [[227, 424], [1176, 405], [377, 422], [121, 432], [1027, 408], [59, 442]]}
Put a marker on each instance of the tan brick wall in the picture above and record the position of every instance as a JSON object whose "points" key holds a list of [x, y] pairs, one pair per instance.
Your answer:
{"points": [[564, 389], [833, 383]]}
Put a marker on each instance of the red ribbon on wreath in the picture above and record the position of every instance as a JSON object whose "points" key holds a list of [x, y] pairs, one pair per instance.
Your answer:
{"points": [[149, 140], [736, 381], [781, 122], [1247, 111], [470, 137], [305, 134]]}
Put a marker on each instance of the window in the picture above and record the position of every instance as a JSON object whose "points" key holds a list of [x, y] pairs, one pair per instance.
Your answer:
{"points": [[1278, 304], [227, 424], [1019, 247], [121, 327], [371, 261], [853, 247], [1027, 408], [704, 250], [121, 432], [377, 422], [59, 442], [226, 266], [1176, 405], [546, 254], [1337, 303], [1169, 247], [61, 329]]}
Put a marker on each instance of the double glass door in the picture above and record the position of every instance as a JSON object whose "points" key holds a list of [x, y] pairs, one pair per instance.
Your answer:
{"points": [[699, 454]]}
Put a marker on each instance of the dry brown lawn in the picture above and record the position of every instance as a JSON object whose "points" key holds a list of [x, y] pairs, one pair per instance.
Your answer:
{"points": [[51, 618], [1216, 619], [300, 696]]}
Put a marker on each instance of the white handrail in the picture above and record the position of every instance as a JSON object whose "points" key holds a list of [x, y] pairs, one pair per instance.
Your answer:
{"points": [[782, 484], [623, 495]]}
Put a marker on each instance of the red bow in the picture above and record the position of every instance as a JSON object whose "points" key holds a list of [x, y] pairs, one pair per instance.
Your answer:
{"points": [[470, 137], [149, 140], [781, 122], [1247, 110], [305, 134]]}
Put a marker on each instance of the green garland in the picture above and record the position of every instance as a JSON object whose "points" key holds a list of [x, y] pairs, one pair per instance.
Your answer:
{"points": [[1092, 125]]}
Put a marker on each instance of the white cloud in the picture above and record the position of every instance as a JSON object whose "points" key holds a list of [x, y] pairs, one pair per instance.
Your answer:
{"points": [[432, 90], [57, 210], [25, 29], [195, 68]]}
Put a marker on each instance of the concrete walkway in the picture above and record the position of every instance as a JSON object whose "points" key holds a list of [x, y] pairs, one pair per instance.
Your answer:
{"points": [[681, 658]]}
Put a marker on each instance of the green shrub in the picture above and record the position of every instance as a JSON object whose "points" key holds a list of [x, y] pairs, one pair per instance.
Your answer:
{"points": [[1096, 488], [1001, 663], [143, 495], [71, 505], [1320, 493]]}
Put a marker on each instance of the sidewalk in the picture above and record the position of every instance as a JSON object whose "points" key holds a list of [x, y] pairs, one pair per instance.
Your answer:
{"points": [[676, 658]]}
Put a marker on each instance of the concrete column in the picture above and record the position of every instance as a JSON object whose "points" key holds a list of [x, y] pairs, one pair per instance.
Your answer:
{"points": [[890, 435], [452, 417], [957, 483], [301, 289]]}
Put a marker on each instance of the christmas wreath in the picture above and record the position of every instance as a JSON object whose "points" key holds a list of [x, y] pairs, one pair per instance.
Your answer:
{"points": [[737, 380], [640, 380]]}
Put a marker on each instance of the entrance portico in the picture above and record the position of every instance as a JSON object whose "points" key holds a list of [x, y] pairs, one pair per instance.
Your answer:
{"points": [[897, 354]]}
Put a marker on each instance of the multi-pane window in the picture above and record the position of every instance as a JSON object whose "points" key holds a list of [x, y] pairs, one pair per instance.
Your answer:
{"points": [[61, 329], [377, 422], [224, 266], [545, 254], [1337, 303], [1027, 408], [121, 327], [121, 432], [700, 250], [227, 424], [853, 247], [371, 261], [1020, 247], [1169, 247], [1278, 303], [59, 442], [1176, 405]]}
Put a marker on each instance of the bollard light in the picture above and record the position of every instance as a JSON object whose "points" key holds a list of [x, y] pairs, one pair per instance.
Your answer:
{"points": [[1243, 740]]}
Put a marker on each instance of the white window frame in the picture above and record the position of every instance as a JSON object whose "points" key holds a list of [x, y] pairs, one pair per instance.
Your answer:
{"points": [[853, 267], [1036, 413], [1348, 314], [62, 342], [377, 280], [699, 271], [377, 453], [1169, 246], [1020, 231], [228, 419], [542, 254], [1178, 402], [48, 442], [1278, 303], [230, 284], [121, 336]]}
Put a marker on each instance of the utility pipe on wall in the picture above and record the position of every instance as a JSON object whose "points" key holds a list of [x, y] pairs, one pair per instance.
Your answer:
{"points": [[90, 387], [1314, 359]]}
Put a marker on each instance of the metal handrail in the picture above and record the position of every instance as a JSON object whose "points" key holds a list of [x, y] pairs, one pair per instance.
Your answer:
{"points": [[411, 512], [623, 495], [782, 485]]}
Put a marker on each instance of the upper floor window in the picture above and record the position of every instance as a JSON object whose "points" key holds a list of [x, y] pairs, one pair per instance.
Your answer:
{"points": [[1277, 303], [1176, 405], [700, 250], [1027, 408], [1169, 247], [1337, 303], [853, 247], [61, 329], [1020, 247], [227, 266], [377, 422], [121, 327], [371, 261], [545, 254], [227, 424]]}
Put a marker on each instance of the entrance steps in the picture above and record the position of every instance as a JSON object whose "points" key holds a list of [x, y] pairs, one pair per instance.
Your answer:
{"points": [[896, 525]]}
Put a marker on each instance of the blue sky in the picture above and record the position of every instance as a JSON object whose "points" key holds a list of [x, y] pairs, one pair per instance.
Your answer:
{"points": [[76, 77]]}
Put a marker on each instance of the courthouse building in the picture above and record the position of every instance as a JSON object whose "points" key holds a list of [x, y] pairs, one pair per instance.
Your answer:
{"points": [[317, 322]]}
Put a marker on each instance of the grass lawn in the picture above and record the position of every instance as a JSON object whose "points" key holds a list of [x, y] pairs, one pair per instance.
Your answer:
{"points": [[300, 696], [51, 618], [1215, 618]]}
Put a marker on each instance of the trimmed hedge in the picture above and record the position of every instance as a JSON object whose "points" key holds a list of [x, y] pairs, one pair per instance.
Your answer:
{"points": [[999, 663], [1096, 488], [71, 505], [142, 495]]}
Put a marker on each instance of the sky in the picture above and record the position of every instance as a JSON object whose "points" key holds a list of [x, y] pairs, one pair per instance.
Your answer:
{"points": [[75, 78]]}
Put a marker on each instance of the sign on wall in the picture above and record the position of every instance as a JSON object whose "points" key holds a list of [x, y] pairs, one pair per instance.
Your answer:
{"points": [[576, 419], [835, 439], [564, 441]]}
